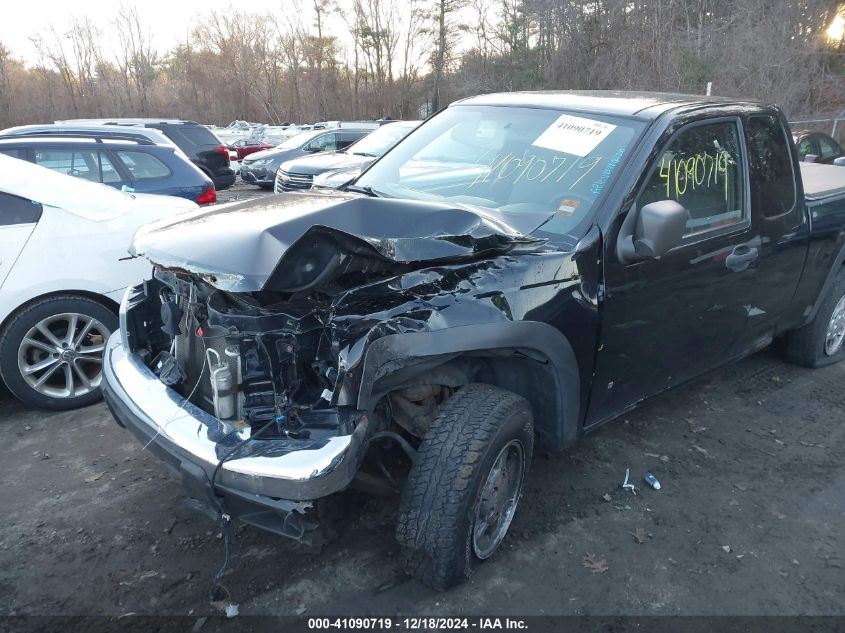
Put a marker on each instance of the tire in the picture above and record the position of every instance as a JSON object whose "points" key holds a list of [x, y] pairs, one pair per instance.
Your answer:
{"points": [[808, 345], [33, 338], [442, 498]]}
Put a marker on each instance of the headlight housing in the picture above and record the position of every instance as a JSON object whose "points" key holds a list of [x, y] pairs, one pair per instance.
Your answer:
{"points": [[261, 162], [308, 262]]}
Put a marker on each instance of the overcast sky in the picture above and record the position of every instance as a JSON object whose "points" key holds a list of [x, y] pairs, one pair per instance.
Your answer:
{"points": [[169, 20]]}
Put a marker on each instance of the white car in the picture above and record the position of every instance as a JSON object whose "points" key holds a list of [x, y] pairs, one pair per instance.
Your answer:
{"points": [[63, 268]]}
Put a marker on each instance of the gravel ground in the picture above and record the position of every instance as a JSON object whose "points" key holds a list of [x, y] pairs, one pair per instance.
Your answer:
{"points": [[749, 519], [242, 191]]}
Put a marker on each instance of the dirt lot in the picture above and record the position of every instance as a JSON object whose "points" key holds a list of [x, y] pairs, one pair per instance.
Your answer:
{"points": [[749, 520]]}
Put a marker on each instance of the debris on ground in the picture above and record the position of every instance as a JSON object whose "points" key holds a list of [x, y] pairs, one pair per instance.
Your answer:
{"points": [[651, 480], [626, 485], [607, 497], [595, 565], [726, 549], [639, 535], [703, 451]]}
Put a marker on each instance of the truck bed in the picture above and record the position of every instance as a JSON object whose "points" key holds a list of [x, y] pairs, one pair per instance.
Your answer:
{"points": [[822, 182]]}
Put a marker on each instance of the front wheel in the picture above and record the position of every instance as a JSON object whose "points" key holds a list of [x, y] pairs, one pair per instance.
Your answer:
{"points": [[464, 487], [51, 353]]}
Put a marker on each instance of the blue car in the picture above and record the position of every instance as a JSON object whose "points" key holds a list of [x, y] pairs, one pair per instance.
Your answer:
{"points": [[132, 163]]}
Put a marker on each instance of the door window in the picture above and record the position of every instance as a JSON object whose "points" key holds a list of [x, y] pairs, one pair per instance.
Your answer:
{"points": [[772, 173], [143, 166], [701, 168], [14, 153], [78, 163], [324, 143], [805, 148]]}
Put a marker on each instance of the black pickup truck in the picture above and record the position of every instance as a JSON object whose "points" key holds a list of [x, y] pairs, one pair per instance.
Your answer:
{"points": [[521, 268]]}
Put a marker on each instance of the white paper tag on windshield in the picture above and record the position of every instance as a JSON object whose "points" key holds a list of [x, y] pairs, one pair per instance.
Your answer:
{"points": [[574, 135]]}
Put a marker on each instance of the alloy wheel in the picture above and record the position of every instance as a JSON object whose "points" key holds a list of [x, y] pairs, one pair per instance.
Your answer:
{"points": [[61, 356]]}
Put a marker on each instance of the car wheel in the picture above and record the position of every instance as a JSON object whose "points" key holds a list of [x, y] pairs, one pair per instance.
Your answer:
{"points": [[463, 489], [821, 341], [51, 353]]}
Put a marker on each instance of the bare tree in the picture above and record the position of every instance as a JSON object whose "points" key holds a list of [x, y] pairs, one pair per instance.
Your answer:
{"points": [[138, 60]]}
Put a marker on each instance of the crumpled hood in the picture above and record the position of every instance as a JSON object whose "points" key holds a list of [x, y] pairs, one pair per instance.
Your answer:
{"points": [[237, 247]]}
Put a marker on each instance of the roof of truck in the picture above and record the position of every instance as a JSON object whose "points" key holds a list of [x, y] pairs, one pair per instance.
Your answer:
{"points": [[643, 105]]}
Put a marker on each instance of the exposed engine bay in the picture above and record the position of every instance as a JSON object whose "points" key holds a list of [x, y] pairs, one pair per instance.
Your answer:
{"points": [[284, 350]]}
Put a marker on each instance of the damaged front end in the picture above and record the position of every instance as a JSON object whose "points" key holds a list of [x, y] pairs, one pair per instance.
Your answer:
{"points": [[240, 361]]}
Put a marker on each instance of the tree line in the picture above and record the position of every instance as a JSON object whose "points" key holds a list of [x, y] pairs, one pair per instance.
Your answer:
{"points": [[360, 59]]}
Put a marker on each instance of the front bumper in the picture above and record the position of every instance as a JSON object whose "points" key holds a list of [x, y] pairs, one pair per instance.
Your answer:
{"points": [[183, 435], [258, 175]]}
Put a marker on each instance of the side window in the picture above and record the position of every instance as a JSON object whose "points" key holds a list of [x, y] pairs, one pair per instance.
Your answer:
{"points": [[108, 171], [805, 147], [772, 173], [80, 164], [347, 138], [324, 143], [16, 210], [828, 148], [701, 169], [143, 166], [14, 153]]}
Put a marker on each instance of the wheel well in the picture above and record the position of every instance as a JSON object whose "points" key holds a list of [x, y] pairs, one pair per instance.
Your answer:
{"points": [[101, 299], [512, 370]]}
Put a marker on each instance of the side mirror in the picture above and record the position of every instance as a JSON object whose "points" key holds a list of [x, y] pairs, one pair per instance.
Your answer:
{"points": [[839, 162], [811, 158], [656, 229]]}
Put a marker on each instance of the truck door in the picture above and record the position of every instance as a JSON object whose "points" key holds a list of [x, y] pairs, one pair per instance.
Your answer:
{"points": [[18, 217], [665, 321], [777, 216]]}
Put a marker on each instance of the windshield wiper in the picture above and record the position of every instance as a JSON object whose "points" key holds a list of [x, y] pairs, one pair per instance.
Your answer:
{"points": [[365, 189], [366, 154]]}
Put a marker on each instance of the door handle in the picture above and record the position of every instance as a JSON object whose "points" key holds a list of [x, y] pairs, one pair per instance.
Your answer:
{"points": [[741, 257]]}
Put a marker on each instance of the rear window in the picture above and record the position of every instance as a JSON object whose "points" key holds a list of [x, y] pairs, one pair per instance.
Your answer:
{"points": [[197, 135], [16, 210], [772, 174], [143, 166]]}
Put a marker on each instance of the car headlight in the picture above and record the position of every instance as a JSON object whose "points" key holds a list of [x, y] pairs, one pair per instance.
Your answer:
{"points": [[261, 162], [308, 262]]}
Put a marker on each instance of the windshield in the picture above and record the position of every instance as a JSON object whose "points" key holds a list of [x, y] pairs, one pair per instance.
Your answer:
{"points": [[517, 160], [377, 142], [299, 140]]}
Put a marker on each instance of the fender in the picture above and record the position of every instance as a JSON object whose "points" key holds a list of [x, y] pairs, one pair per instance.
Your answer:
{"points": [[556, 414], [838, 263]]}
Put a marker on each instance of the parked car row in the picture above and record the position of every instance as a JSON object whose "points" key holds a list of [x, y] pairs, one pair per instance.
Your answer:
{"points": [[338, 167], [260, 168], [166, 157]]}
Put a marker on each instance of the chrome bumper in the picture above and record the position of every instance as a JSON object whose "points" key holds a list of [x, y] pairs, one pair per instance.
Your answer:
{"points": [[178, 431]]}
